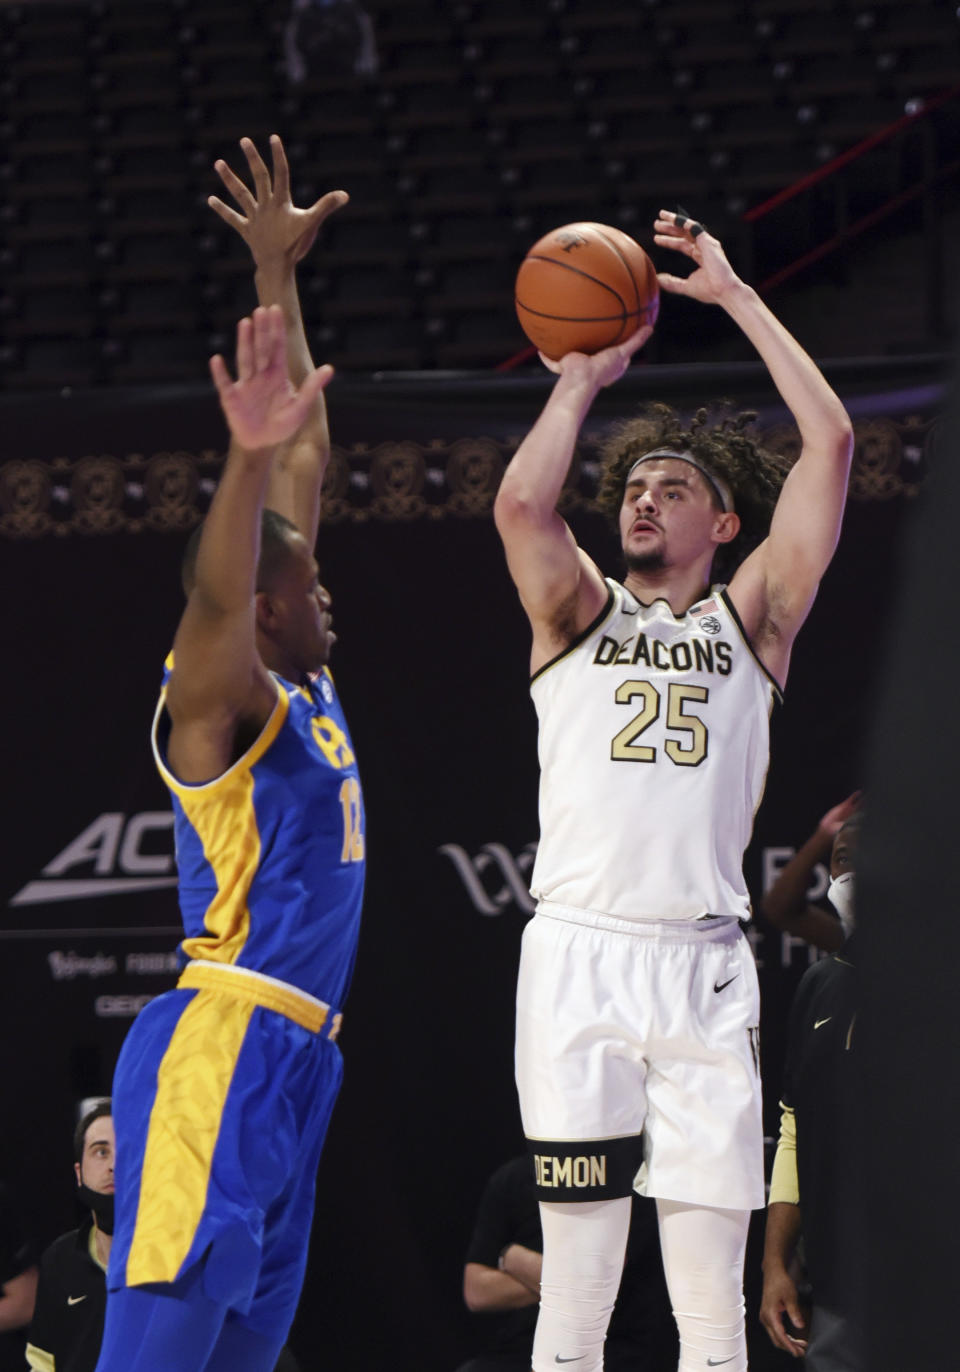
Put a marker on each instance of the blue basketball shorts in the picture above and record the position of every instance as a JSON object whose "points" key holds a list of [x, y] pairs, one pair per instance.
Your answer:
{"points": [[221, 1101]]}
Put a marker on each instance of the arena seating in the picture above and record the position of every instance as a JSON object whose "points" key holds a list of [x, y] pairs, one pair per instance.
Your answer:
{"points": [[486, 123]]}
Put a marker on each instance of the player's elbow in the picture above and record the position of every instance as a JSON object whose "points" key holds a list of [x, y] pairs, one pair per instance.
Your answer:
{"points": [[840, 436], [516, 509]]}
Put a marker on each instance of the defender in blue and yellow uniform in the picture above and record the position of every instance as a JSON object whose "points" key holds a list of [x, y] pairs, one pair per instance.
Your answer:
{"points": [[225, 1085]]}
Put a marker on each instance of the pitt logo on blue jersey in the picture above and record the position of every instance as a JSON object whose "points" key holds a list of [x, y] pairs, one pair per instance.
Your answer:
{"points": [[271, 854]]}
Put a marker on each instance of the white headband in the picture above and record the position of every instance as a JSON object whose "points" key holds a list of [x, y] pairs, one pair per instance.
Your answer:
{"points": [[716, 482]]}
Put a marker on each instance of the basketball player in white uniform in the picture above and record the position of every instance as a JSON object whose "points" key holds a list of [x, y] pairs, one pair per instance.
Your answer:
{"points": [[637, 1005]]}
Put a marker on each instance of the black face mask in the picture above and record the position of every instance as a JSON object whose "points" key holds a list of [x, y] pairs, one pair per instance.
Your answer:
{"points": [[101, 1203]]}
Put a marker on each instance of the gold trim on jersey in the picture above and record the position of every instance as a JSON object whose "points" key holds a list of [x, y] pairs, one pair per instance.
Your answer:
{"points": [[253, 754], [192, 1086], [223, 818], [268, 992], [92, 1246], [575, 643], [724, 597], [39, 1359]]}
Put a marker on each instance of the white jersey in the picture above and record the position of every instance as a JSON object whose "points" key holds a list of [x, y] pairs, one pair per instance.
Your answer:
{"points": [[654, 745]]}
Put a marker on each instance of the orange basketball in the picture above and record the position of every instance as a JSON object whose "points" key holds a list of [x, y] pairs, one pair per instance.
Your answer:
{"points": [[583, 288]]}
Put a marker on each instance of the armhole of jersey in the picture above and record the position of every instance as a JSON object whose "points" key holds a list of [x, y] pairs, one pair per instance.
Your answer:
{"points": [[253, 754], [580, 638], [724, 596]]}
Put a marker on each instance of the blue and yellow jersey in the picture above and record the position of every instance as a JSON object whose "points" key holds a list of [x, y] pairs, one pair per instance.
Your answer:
{"points": [[270, 855]]}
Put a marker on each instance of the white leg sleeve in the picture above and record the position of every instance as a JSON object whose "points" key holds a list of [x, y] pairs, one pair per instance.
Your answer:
{"points": [[583, 1250], [703, 1252]]}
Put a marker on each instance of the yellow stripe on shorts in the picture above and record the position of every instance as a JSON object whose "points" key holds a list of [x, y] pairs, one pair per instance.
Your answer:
{"points": [[192, 1086]]}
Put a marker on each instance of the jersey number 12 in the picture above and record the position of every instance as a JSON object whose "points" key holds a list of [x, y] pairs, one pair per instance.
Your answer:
{"points": [[353, 845]]}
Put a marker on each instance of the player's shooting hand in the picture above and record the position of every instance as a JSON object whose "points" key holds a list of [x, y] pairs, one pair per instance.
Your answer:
{"points": [[262, 407], [270, 224], [779, 1299], [713, 277], [834, 820], [602, 368]]}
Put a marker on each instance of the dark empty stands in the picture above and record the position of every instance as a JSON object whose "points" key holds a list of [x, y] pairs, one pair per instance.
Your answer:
{"points": [[486, 123]]}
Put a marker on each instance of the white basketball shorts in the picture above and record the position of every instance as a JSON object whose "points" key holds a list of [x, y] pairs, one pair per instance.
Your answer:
{"points": [[642, 1038]]}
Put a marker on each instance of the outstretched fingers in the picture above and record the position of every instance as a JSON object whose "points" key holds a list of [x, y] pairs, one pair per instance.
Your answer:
{"points": [[302, 401], [315, 382], [673, 285], [221, 377], [269, 339], [229, 216], [677, 241], [636, 341], [245, 353], [258, 169], [281, 168], [327, 204], [237, 188]]}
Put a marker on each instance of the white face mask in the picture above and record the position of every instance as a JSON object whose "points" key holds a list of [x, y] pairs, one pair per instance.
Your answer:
{"points": [[840, 896]]}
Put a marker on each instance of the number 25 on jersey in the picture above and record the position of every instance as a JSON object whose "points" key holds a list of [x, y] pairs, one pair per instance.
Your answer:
{"points": [[687, 751]]}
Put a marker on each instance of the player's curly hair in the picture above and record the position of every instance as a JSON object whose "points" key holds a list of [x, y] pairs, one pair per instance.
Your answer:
{"points": [[720, 438]]}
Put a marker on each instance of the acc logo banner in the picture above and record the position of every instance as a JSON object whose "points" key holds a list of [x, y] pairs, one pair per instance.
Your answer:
{"points": [[114, 845], [494, 878]]}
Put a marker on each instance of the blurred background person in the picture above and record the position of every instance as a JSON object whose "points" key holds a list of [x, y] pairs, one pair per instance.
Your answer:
{"points": [[323, 36], [67, 1327], [786, 905], [811, 1187], [18, 1284], [72, 1294], [501, 1280]]}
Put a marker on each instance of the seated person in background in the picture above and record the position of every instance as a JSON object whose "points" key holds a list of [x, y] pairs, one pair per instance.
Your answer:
{"points": [[18, 1285], [815, 1167], [72, 1296], [786, 906], [67, 1327], [502, 1276]]}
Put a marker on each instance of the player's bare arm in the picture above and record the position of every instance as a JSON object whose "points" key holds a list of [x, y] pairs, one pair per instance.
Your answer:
{"points": [[560, 588], [279, 236], [780, 1299], [774, 588], [219, 687]]}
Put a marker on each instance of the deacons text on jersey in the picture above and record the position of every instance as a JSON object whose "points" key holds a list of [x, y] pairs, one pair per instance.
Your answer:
{"points": [[654, 746]]}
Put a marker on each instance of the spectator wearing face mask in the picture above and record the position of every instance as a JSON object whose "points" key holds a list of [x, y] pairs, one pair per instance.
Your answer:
{"points": [[814, 1171], [785, 905], [72, 1294], [67, 1328]]}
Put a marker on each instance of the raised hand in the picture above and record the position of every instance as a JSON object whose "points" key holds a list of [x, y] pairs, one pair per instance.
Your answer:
{"points": [[834, 820], [270, 224], [714, 276], [602, 368], [263, 407]]}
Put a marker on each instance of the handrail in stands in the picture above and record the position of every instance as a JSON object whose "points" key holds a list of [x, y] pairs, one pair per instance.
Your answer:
{"points": [[828, 170], [842, 159]]}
